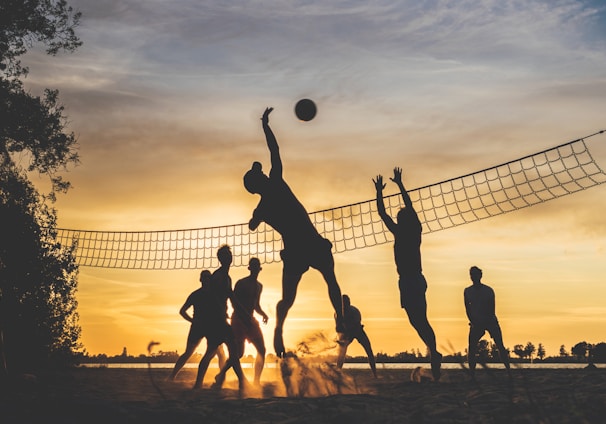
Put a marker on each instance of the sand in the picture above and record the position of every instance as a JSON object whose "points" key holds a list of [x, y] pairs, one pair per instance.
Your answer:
{"points": [[102, 395]]}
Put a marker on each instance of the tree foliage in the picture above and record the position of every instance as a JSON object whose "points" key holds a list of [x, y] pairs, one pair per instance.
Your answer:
{"points": [[529, 349], [24, 23], [541, 351], [519, 350], [580, 350], [599, 353], [524, 351], [38, 276]]}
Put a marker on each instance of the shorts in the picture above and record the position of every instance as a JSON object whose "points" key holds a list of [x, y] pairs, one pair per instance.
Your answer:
{"points": [[351, 334], [316, 254], [197, 331], [412, 290], [219, 332], [246, 329], [493, 328]]}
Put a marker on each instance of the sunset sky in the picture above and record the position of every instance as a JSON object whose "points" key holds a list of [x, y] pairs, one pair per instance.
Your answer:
{"points": [[165, 99]]}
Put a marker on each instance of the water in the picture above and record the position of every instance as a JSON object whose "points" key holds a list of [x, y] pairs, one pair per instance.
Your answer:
{"points": [[386, 366]]}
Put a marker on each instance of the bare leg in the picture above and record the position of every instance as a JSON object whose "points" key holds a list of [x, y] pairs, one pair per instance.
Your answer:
{"points": [[334, 293], [221, 357], [498, 339], [417, 314], [472, 349], [232, 362], [343, 345], [226, 364], [365, 342], [259, 360], [220, 378], [189, 351], [290, 283], [211, 350]]}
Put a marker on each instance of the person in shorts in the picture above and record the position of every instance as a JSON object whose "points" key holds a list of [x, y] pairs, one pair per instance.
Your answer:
{"points": [[303, 245], [198, 300], [407, 253], [246, 300], [218, 329], [480, 309], [354, 330]]}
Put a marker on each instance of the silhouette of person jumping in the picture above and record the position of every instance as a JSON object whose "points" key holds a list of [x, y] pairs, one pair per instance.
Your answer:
{"points": [[201, 301], [407, 252], [246, 297], [303, 245], [354, 330], [480, 309]]}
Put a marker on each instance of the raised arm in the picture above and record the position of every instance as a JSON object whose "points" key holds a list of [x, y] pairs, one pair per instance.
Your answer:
{"points": [[379, 186], [397, 178], [254, 223], [272, 144]]}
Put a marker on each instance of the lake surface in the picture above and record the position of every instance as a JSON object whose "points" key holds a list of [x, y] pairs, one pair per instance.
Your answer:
{"points": [[390, 366]]}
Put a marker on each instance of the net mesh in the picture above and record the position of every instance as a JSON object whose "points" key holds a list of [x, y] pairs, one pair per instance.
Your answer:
{"points": [[514, 185]]}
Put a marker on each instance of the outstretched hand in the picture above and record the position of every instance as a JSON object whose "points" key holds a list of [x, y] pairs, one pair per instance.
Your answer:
{"points": [[265, 117], [379, 185], [397, 175]]}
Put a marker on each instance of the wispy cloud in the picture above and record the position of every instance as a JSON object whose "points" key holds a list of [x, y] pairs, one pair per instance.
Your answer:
{"points": [[165, 98]]}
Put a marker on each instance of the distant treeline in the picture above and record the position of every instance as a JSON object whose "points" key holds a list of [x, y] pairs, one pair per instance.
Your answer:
{"points": [[581, 352]]}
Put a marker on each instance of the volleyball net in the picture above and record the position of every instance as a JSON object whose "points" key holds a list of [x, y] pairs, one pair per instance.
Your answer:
{"points": [[537, 178]]}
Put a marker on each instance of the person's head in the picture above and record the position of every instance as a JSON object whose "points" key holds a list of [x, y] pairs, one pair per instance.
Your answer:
{"points": [[404, 214], [224, 255], [205, 277], [475, 273], [346, 301], [254, 179], [254, 265]]}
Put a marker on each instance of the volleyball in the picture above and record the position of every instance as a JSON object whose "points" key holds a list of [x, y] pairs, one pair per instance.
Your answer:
{"points": [[305, 109]]}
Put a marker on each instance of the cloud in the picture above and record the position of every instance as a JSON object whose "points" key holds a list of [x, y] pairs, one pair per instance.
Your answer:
{"points": [[165, 98]]}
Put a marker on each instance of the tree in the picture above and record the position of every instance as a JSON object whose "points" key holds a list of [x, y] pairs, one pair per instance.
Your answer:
{"points": [[563, 351], [483, 351], [38, 276], [529, 349], [540, 351], [599, 353], [580, 350], [520, 351]]}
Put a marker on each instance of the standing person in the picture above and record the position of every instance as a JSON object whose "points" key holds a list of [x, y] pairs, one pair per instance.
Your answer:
{"points": [[303, 245], [219, 330], [247, 295], [200, 300], [352, 321], [480, 309], [407, 252]]}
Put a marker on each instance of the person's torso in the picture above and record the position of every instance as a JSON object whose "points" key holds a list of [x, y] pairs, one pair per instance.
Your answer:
{"points": [[246, 293], [479, 302], [352, 318], [220, 289], [202, 302], [407, 247], [280, 209]]}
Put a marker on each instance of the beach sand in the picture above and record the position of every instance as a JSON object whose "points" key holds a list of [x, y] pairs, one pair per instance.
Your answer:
{"points": [[110, 396]]}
